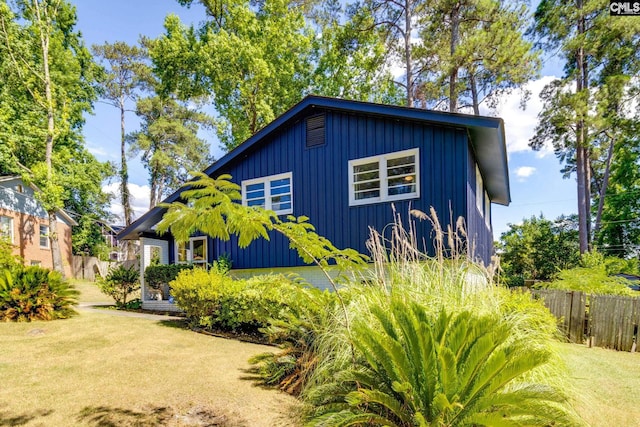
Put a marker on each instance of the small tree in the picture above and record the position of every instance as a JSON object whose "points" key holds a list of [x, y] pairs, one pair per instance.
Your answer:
{"points": [[120, 283]]}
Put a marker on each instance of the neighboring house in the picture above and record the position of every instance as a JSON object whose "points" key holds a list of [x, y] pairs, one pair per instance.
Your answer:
{"points": [[342, 164], [25, 223], [117, 250]]}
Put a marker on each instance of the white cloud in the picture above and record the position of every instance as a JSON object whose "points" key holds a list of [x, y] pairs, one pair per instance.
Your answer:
{"points": [[101, 153], [139, 200], [524, 172], [520, 124]]}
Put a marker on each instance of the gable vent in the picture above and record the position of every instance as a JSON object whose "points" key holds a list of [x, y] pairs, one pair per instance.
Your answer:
{"points": [[315, 131]]}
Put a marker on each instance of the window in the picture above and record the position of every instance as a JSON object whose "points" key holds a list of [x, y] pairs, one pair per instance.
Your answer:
{"points": [[44, 236], [479, 191], [194, 251], [393, 176], [487, 209], [35, 263], [271, 192], [6, 228]]}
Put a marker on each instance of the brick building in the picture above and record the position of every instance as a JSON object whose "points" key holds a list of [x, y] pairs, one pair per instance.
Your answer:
{"points": [[25, 223]]}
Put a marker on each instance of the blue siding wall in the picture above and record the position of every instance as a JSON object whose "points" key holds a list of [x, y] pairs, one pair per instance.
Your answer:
{"points": [[320, 180], [480, 235]]}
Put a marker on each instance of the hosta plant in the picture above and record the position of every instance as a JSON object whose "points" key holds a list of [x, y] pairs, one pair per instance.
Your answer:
{"points": [[35, 293]]}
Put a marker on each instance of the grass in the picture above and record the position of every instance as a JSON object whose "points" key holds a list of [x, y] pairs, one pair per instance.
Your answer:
{"points": [[90, 292], [606, 384], [102, 370]]}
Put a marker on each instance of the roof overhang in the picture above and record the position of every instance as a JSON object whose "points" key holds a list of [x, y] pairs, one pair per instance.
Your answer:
{"points": [[485, 133]]}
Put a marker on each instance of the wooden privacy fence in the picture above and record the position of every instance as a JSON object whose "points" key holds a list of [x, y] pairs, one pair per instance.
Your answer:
{"points": [[91, 268], [601, 320]]}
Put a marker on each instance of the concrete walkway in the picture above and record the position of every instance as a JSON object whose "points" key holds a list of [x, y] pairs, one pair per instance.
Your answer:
{"points": [[100, 307]]}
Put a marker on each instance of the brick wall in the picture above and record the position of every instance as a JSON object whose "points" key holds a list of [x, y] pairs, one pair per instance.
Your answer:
{"points": [[26, 240]]}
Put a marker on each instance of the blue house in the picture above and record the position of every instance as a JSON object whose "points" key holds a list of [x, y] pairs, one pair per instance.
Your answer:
{"points": [[343, 163]]}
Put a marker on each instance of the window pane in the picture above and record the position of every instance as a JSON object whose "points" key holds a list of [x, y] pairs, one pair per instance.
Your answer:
{"points": [[255, 187], [256, 202], [281, 190], [6, 228], [44, 236], [400, 161], [367, 194], [199, 250]]}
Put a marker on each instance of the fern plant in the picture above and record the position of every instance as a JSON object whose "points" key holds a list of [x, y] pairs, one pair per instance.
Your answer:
{"points": [[35, 293], [451, 369]]}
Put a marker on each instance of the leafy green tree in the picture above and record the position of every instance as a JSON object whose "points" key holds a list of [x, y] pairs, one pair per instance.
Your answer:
{"points": [[125, 72], [169, 143], [349, 62], [601, 59], [253, 61], [49, 76], [473, 51], [538, 249], [453, 369]]}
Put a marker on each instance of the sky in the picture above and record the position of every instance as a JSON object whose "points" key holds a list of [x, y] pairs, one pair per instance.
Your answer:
{"points": [[537, 185]]}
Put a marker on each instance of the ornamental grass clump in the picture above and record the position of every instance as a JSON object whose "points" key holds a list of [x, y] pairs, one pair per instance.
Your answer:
{"points": [[434, 341]]}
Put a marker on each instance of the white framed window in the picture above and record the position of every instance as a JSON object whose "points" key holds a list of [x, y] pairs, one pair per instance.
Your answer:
{"points": [[273, 193], [479, 191], [192, 252], [44, 236], [6, 228], [384, 178], [487, 209]]}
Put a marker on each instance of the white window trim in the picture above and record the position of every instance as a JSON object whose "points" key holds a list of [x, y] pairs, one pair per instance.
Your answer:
{"points": [[382, 168], [266, 180], [40, 236], [10, 230], [189, 244], [479, 191]]}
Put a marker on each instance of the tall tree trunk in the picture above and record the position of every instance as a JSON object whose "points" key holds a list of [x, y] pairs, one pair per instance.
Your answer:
{"points": [[124, 181], [474, 94], [454, 16], [603, 189], [582, 152], [56, 258], [407, 53]]}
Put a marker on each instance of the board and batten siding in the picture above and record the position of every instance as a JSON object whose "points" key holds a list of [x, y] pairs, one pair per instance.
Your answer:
{"points": [[320, 180], [480, 235]]}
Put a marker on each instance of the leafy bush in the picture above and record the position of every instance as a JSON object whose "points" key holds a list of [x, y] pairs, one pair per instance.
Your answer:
{"points": [[119, 283], [414, 368], [155, 276], [214, 300], [8, 261], [35, 293], [592, 277], [592, 280]]}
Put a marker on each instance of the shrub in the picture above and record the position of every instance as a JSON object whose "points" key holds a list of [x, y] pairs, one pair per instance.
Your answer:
{"points": [[214, 300], [119, 283], [416, 368], [155, 276], [35, 293], [8, 261]]}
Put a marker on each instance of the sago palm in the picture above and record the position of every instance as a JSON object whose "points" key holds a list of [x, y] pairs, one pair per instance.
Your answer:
{"points": [[453, 369]]}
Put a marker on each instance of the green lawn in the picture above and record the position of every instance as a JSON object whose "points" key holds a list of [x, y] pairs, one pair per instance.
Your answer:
{"points": [[102, 370], [89, 292], [606, 384]]}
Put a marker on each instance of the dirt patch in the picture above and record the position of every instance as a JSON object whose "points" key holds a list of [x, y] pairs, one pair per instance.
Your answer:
{"points": [[158, 416]]}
